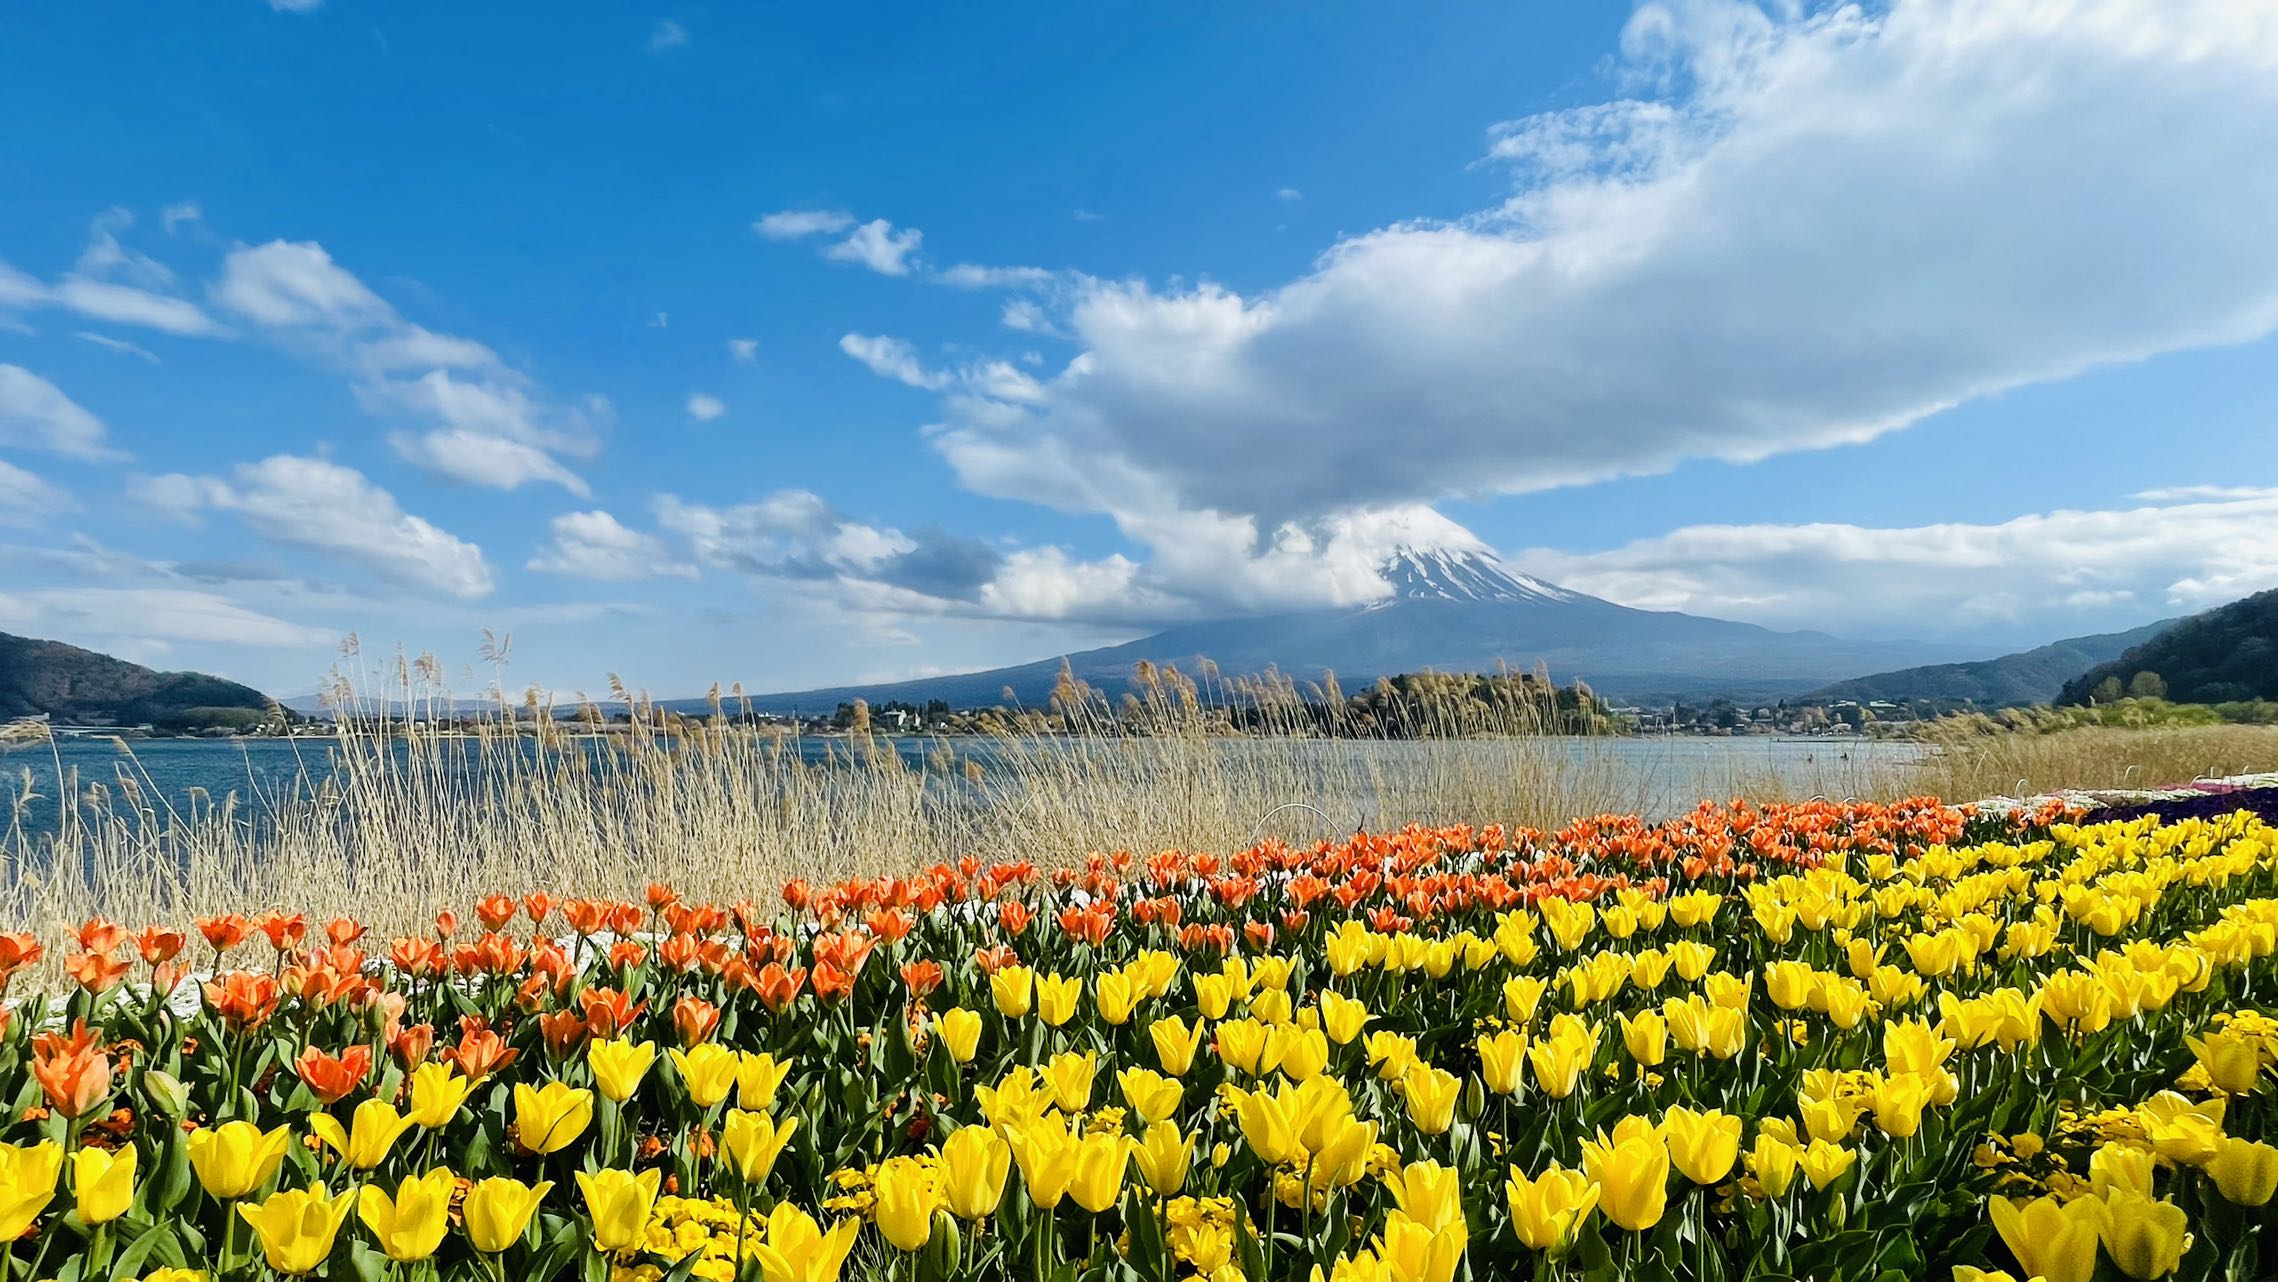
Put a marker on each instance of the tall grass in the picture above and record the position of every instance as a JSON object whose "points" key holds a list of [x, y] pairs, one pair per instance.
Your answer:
{"points": [[399, 815], [407, 816], [1978, 761]]}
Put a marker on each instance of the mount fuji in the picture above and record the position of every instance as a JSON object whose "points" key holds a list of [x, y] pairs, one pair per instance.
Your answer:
{"points": [[1450, 611]]}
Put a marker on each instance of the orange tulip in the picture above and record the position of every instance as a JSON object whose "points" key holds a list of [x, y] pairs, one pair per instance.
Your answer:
{"points": [[330, 1076]]}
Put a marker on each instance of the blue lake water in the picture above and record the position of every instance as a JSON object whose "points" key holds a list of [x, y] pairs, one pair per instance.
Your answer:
{"points": [[1663, 775]]}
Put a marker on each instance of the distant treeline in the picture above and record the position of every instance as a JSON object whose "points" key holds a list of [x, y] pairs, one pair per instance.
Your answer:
{"points": [[1413, 705]]}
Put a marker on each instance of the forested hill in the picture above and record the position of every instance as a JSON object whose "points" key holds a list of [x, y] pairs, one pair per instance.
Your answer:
{"points": [[2029, 676], [2225, 655], [80, 687]]}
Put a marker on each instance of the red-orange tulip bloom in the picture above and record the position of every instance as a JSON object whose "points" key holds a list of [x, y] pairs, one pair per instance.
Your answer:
{"points": [[75, 1075], [332, 1077], [695, 1019]]}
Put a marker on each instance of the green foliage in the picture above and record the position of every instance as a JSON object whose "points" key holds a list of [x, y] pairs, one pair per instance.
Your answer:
{"points": [[2228, 655]]}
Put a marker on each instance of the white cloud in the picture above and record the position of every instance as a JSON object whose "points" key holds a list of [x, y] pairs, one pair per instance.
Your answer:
{"points": [[892, 358], [2048, 574], [667, 35], [478, 458], [743, 351], [144, 614], [975, 276], [179, 215], [36, 414], [879, 247], [296, 6], [296, 283], [704, 408], [25, 499], [111, 282], [1816, 230], [488, 424], [335, 512], [121, 346], [1288, 195], [595, 545], [793, 224]]}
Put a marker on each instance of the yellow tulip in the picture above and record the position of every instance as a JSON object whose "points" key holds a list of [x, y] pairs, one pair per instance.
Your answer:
{"points": [[1431, 1095], [1300, 1053], [1151, 1095], [2233, 1063], [1070, 1077], [1014, 988], [549, 1119], [1118, 996], [759, 1076], [1340, 1159], [1213, 994], [1175, 1044], [1559, 1062], [2144, 1238], [707, 1072], [1242, 1045], [2245, 1171], [297, 1228], [410, 1225], [28, 1178], [1773, 1162], [1501, 1057], [2181, 1131], [2053, 1240], [437, 1091], [619, 1065], [1163, 1155], [974, 1163], [1342, 1018], [752, 1141], [904, 1201], [1392, 1053], [1100, 1163], [1046, 1151], [1825, 1162], [1431, 1195], [619, 1203], [373, 1128], [1521, 997], [1056, 998], [1898, 1101], [2121, 1167], [1631, 1170], [1412, 1252], [28, 1173], [103, 1182], [1702, 1145], [235, 1158], [960, 1031], [1546, 1210], [1269, 1124], [793, 1248], [1646, 1036], [498, 1211]]}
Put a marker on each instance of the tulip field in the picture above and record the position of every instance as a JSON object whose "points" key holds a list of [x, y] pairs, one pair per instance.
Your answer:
{"points": [[1827, 1041]]}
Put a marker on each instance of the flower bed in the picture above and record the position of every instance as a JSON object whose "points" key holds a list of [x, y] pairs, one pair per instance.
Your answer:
{"points": [[1810, 1041]]}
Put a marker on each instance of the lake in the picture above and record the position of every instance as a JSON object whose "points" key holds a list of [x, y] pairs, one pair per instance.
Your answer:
{"points": [[1664, 775]]}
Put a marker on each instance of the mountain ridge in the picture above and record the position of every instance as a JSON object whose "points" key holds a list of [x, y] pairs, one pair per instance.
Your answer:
{"points": [[1445, 610], [2005, 681]]}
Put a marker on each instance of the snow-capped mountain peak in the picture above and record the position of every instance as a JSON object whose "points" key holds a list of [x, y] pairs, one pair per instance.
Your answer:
{"points": [[1450, 575]]}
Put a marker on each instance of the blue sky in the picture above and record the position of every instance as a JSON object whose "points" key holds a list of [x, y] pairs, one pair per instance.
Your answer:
{"points": [[735, 342]]}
